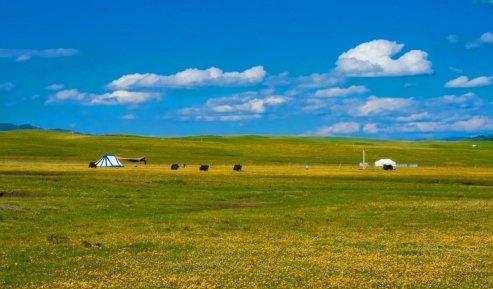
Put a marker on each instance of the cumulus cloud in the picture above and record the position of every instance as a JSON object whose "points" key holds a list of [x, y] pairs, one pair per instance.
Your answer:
{"points": [[112, 98], [316, 80], [374, 105], [338, 91], [67, 95], [374, 58], [453, 38], [485, 38], [467, 100], [244, 106], [464, 82], [21, 55], [55, 86], [340, 128], [6, 86], [371, 128], [475, 123], [128, 117], [192, 77], [414, 117]]}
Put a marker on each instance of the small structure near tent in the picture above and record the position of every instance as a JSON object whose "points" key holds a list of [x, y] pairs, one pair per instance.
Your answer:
{"points": [[134, 160], [108, 161], [386, 164]]}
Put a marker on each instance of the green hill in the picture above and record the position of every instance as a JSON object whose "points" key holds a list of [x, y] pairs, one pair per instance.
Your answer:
{"points": [[49, 146]]}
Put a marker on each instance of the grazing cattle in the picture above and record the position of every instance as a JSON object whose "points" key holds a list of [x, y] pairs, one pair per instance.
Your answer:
{"points": [[184, 165], [92, 164], [237, 167], [388, 167], [175, 166], [204, 168]]}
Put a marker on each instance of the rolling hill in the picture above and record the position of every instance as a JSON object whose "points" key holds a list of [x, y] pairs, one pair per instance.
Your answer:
{"points": [[50, 146]]}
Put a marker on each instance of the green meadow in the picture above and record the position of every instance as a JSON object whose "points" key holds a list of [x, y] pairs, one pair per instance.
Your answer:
{"points": [[273, 225]]}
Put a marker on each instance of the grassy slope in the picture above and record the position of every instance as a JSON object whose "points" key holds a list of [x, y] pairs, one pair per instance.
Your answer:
{"points": [[73, 227], [60, 147]]}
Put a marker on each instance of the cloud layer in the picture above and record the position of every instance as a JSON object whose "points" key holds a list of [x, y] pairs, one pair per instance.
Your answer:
{"points": [[338, 91], [192, 77], [21, 55], [244, 106], [485, 38], [118, 97], [464, 82]]}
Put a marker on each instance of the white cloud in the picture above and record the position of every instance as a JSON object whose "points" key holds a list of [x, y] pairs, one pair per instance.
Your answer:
{"points": [[6, 86], [21, 55], [338, 91], [375, 105], [123, 97], [340, 128], [466, 100], [244, 106], [374, 58], [485, 38], [55, 86], [128, 116], [414, 117], [453, 38], [455, 69], [464, 82], [316, 80], [371, 128], [191, 78], [111, 98], [67, 95], [475, 123]]}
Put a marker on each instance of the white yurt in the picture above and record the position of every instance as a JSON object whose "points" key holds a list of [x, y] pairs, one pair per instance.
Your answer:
{"points": [[382, 162], [109, 161]]}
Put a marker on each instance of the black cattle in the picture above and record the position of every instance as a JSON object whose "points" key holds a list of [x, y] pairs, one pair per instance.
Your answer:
{"points": [[175, 166], [388, 167], [92, 165], [237, 167], [204, 168]]}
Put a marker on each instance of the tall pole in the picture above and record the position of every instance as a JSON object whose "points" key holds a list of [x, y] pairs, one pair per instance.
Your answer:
{"points": [[364, 163]]}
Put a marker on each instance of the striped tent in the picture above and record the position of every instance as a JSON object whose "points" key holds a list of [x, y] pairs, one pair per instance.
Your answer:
{"points": [[109, 161]]}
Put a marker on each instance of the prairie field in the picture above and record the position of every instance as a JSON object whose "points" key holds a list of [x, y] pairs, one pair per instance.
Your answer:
{"points": [[273, 225]]}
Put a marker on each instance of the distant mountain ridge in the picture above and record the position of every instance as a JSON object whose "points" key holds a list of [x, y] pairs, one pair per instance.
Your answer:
{"points": [[4, 126], [483, 137], [479, 137], [10, 126]]}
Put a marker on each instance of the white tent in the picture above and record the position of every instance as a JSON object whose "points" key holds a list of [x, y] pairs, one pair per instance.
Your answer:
{"points": [[109, 161], [382, 162]]}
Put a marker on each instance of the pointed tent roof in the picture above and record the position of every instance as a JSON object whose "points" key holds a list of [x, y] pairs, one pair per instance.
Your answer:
{"points": [[109, 161]]}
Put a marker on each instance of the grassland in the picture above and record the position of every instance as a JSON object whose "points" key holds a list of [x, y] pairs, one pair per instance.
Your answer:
{"points": [[275, 224]]}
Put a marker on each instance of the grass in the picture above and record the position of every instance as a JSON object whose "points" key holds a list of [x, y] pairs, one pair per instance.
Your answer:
{"points": [[272, 225]]}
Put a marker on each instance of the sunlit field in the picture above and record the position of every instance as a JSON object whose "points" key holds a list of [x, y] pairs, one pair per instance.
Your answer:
{"points": [[275, 224]]}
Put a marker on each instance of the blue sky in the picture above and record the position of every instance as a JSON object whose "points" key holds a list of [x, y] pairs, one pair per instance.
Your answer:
{"points": [[379, 69]]}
